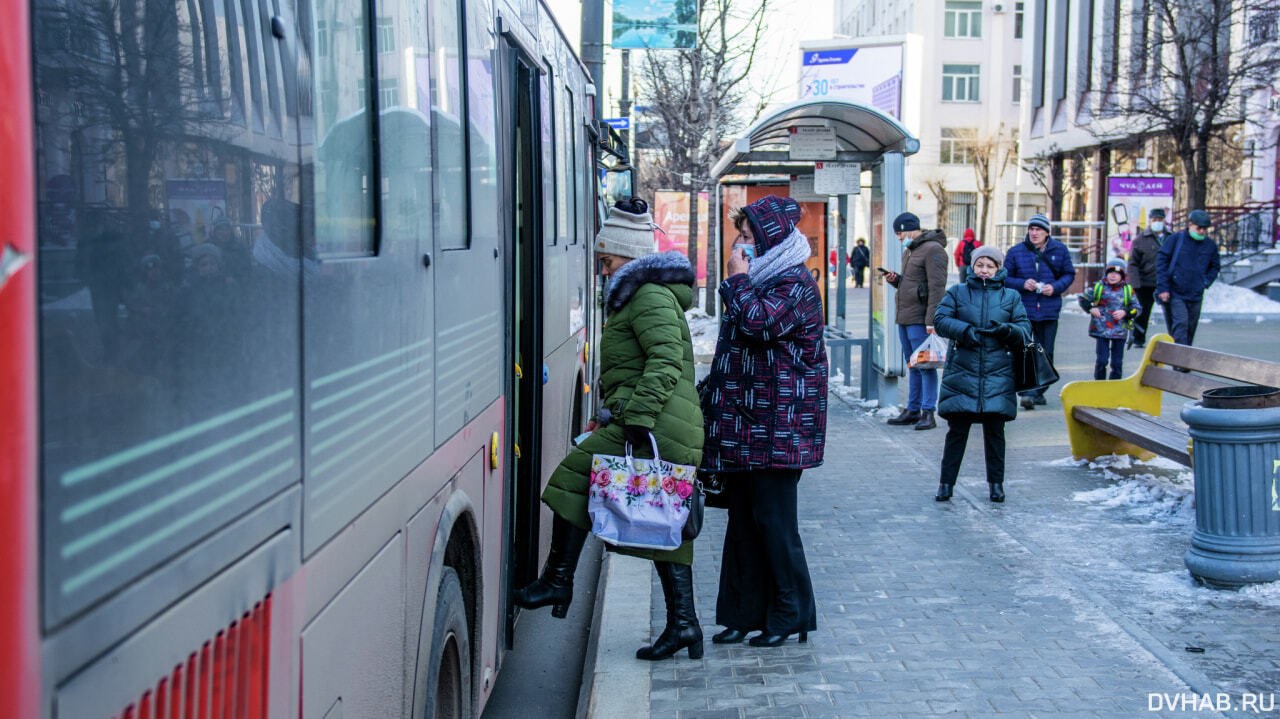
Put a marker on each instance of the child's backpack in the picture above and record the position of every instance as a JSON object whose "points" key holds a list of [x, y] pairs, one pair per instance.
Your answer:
{"points": [[1128, 297]]}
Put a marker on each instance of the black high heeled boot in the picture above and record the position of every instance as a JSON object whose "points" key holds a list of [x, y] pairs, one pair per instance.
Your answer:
{"points": [[997, 491], [555, 586], [682, 628]]}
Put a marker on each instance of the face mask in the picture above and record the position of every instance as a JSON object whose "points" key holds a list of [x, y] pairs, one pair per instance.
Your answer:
{"points": [[1157, 226], [1196, 236]]}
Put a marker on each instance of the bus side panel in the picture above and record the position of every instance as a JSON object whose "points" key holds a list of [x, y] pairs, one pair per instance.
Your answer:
{"points": [[18, 652]]}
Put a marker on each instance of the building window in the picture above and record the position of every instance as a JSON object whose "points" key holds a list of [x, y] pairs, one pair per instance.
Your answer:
{"points": [[956, 147], [386, 34], [1016, 93], [1019, 11], [962, 213], [322, 38], [960, 83], [963, 19], [1264, 26]]}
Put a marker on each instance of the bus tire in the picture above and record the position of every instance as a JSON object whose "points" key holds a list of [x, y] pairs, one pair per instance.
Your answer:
{"points": [[449, 671]]}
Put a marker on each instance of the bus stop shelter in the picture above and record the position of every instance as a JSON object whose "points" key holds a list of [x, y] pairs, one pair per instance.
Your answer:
{"points": [[846, 148]]}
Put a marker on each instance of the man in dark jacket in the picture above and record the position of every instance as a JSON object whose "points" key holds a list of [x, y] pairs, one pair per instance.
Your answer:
{"points": [[860, 260], [1040, 269], [920, 286], [1142, 271], [1187, 264]]}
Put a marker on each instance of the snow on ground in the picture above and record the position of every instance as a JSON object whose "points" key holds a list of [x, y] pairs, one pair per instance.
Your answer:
{"points": [[703, 329], [1176, 586], [1222, 298], [1157, 490], [852, 396]]}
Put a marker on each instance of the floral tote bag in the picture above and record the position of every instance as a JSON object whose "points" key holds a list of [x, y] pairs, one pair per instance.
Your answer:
{"points": [[641, 503]]}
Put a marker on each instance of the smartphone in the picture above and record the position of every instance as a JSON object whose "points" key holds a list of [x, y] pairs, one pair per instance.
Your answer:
{"points": [[748, 250], [882, 270]]}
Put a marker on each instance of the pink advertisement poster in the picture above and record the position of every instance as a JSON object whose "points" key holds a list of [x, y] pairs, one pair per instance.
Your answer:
{"points": [[1130, 200], [671, 213]]}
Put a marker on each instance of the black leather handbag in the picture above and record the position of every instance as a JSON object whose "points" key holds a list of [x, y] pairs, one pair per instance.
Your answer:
{"points": [[693, 523], [1032, 368]]}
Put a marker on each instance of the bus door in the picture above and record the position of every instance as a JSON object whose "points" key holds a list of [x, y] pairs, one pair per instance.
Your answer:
{"points": [[525, 338]]}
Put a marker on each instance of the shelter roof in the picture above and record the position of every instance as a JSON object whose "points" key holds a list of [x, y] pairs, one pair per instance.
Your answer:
{"points": [[863, 134]]}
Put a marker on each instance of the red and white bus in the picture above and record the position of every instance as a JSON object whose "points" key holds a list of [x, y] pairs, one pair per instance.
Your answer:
{"points": [[295, 305]]}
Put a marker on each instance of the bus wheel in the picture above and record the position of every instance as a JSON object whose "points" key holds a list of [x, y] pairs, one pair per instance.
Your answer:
{"points": [[450, 669]]}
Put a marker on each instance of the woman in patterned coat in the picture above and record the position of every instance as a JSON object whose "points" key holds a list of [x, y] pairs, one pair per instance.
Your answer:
{"points": [[765, 407]]}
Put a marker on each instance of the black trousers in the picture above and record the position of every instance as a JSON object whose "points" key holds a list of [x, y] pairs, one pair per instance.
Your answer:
{"points": [[858, 272], [958, 437], [764, 578], [1045, 333], [1184, 316], [1147, 298]]}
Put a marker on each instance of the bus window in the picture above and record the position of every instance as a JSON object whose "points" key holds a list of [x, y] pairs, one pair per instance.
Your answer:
{"points": [[482, 146], [574, 148], [169, 288], [343, 175], [448, 142], [404, 91], [564, 187], [547, 100]]}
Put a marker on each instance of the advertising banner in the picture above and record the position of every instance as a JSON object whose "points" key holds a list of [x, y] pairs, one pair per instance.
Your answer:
{"points": [[671, 213], [870, 75], [655, 24], [194, 205], [1130, 200]]}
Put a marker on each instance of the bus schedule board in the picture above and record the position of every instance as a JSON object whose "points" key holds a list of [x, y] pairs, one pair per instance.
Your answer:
{"points": [[869, 75]]}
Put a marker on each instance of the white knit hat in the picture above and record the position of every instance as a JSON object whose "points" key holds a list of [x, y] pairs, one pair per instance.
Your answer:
{"points": [[627, 234]]}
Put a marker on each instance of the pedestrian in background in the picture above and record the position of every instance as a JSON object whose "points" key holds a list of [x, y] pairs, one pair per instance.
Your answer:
{"points": [[920, 286], [983, 318], [1186, 266], [766, 418], [1111, 306], [860, 260], [647, 385], [1040, 269], [964, 251], [1142, 271]]}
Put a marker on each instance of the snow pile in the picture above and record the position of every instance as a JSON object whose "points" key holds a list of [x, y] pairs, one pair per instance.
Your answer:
{"points": [[1165, 495], [1222, 298], [1172, 587], [851, 393], [703, 330]]}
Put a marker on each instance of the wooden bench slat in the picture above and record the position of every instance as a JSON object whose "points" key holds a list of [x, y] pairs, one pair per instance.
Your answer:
{"points": [[1219, 364], [1187, 385], [1139, 429]]}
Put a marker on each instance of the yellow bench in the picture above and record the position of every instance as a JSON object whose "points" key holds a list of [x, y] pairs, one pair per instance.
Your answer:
{"points": [[1122, 416]]}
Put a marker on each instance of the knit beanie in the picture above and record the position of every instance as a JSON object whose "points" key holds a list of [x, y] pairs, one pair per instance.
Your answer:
{"points": [[988, 252], [906, 222], [771, 219], [1039, 220], [1117, 265], [628, 231]]}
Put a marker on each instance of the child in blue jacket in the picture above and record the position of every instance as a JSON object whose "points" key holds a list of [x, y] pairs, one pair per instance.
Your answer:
{"points": [[1111, 307]]}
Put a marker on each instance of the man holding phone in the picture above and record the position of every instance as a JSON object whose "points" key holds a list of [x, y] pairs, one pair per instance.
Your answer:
{"points": [[920, 287]]}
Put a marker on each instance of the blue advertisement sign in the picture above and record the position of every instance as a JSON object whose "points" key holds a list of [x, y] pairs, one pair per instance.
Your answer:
{"points": [[655, 24]]}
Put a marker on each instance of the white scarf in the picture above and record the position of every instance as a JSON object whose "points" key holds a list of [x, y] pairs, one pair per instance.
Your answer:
{"points": [[792, 251]]}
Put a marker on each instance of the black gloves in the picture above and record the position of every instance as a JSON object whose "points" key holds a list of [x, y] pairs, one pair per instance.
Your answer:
{"points": [[637, 436], [969, 338], [1004, 332]]}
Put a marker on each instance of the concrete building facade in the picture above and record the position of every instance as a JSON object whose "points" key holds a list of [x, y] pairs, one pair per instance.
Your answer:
{"points": [[962, 88]]}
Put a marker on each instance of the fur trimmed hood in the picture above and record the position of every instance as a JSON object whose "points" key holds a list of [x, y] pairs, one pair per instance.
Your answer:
{"points": [[663, 268]]}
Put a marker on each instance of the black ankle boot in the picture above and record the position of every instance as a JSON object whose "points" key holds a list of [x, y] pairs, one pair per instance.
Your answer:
{"points": [[555, 586], [682, 618], [905, 417], [944, 492], [997, 491]]}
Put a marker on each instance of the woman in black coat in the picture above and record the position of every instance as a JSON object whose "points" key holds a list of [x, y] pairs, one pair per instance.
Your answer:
{"points": [[984, 319]]}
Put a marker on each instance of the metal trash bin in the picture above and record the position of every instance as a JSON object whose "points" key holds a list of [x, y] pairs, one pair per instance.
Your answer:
{"points": [[1235, 434]]}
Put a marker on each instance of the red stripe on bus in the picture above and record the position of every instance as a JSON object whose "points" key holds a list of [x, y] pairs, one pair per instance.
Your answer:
{"points": [[19, 622]]}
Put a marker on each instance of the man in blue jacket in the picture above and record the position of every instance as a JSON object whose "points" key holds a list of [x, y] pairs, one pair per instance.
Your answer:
{"points": [[1186, 265], [1040, 269]]}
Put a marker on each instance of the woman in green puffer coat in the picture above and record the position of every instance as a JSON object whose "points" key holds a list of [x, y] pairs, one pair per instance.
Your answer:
{"points": [[647, 386], [985, 320]]}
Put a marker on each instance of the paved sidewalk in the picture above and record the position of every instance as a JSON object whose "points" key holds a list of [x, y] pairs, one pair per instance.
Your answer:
{"points": [[1044, 606]]}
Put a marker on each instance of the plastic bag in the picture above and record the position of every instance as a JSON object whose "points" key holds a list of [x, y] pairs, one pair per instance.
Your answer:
{"points": [[931, 354]]}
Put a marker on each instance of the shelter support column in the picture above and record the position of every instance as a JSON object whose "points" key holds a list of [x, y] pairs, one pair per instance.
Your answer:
{"points": [[893, 186]]}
